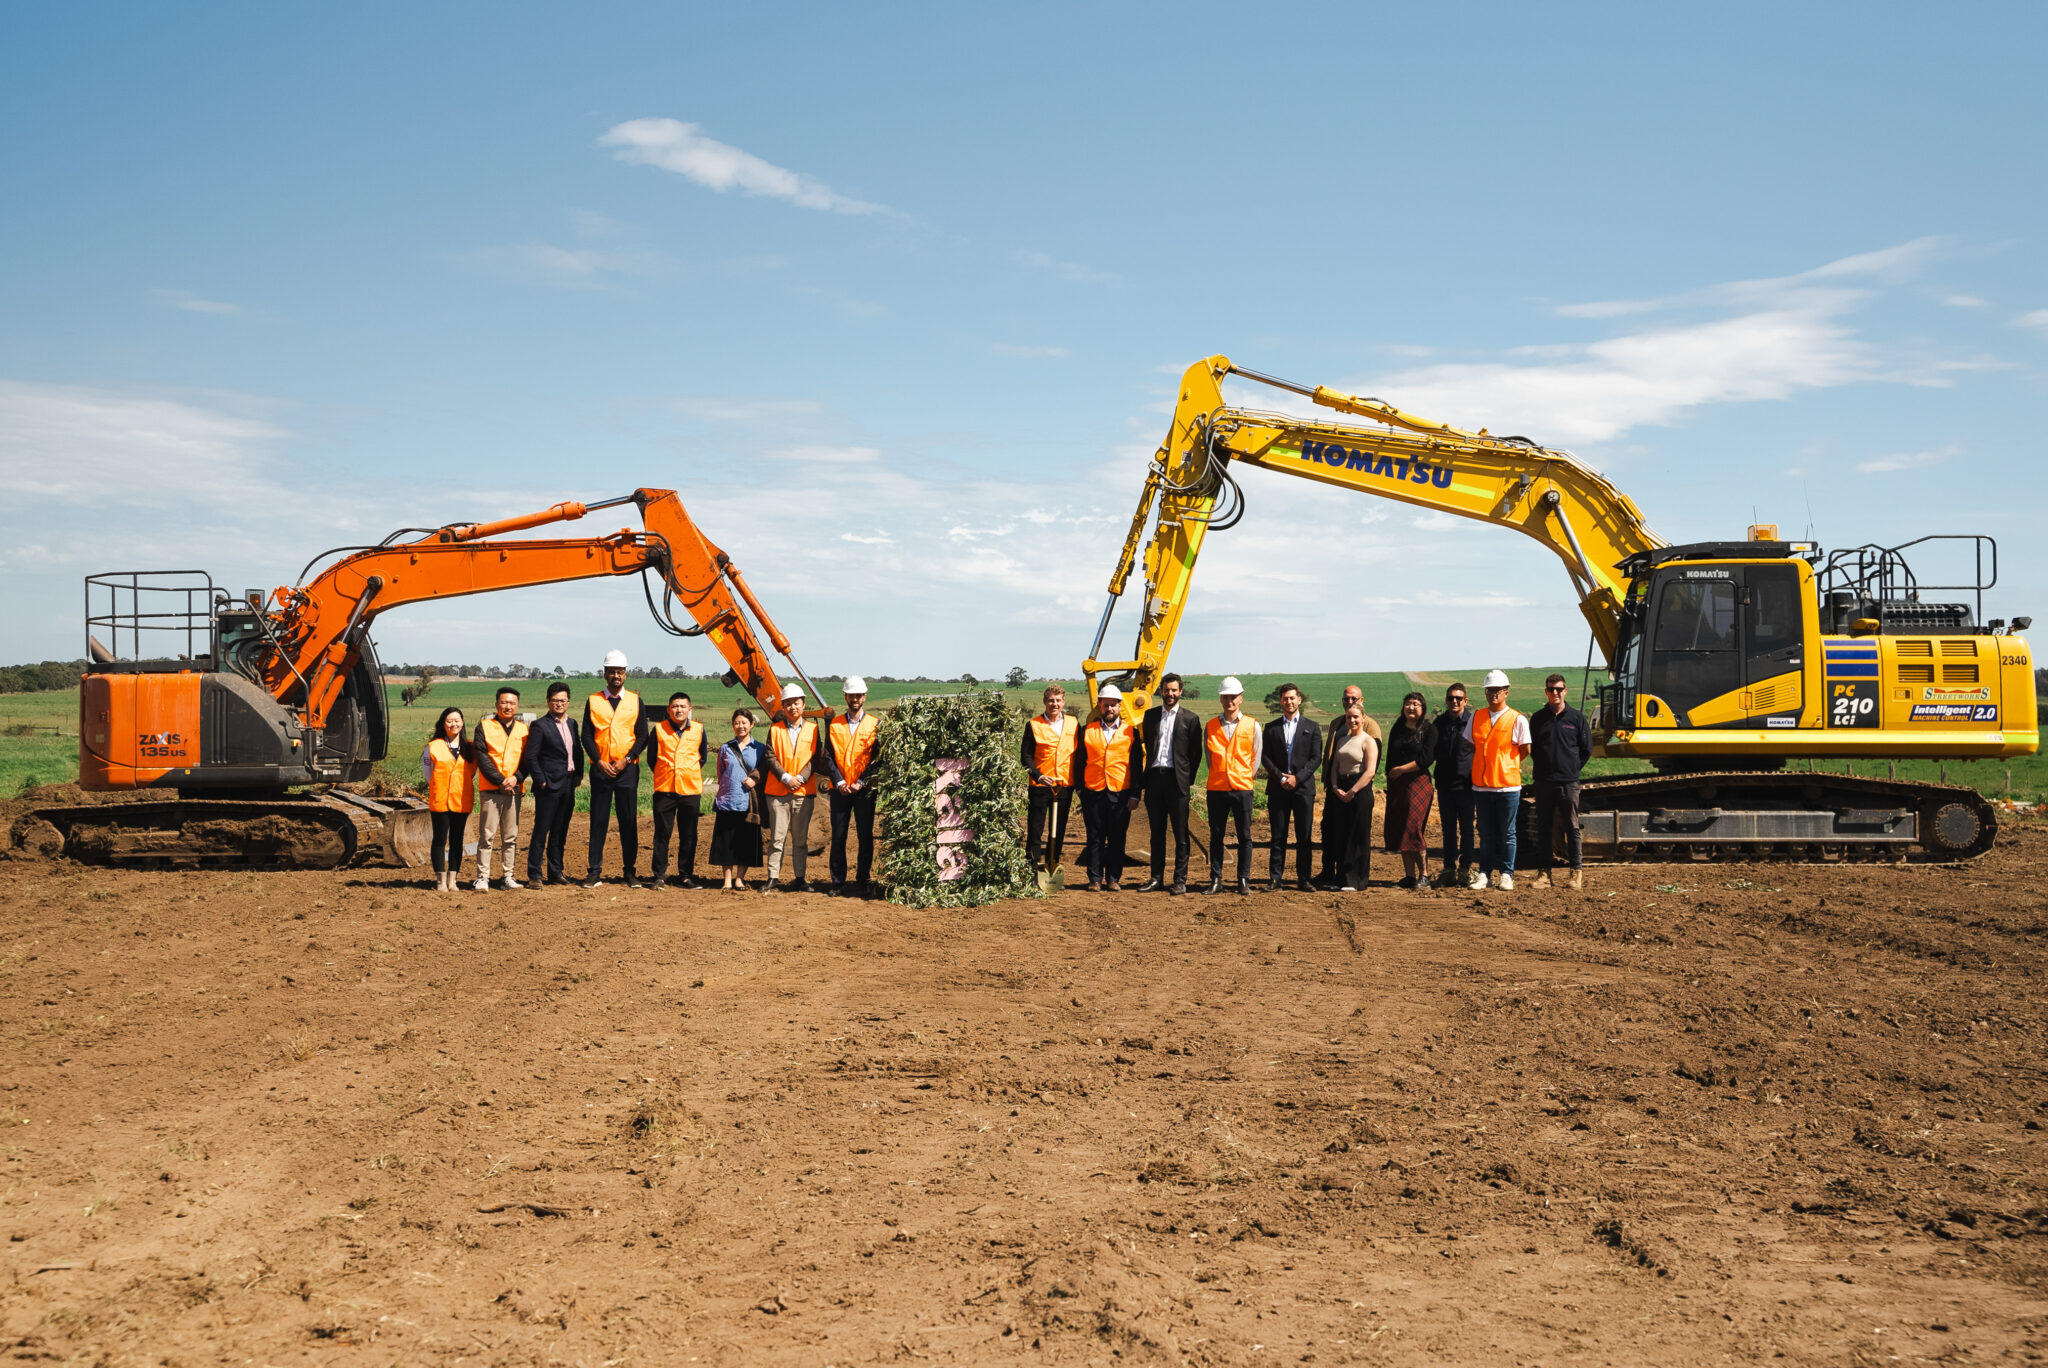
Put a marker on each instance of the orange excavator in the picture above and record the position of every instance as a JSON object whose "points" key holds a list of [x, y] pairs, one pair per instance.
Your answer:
{"points": [[258, 712]]}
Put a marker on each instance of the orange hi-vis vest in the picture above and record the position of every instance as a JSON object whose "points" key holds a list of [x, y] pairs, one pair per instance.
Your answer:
{"points": [[452, 786], [1108, 763], [507, 745], [1495, 762], [794, 755], [1233, 759], [614, 727], [1052, 750], [853, 748], [678, 757]]}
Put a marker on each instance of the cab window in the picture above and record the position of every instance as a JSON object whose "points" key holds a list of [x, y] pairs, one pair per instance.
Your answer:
{"points": [[1696, 615]]}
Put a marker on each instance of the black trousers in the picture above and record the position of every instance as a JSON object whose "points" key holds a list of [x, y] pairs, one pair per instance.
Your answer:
{"points": [[620, 795], [445, 846], [553, 806], [1167, 805], [1554, 801], [676, 813], [1454, 809], [1284, 806], [1046, 802], [1225, 806], [1347, 834], [858, 811], [1107, 817]]}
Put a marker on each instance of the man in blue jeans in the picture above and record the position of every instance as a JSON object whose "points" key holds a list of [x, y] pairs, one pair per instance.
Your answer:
{"points": [[1500, 742]]}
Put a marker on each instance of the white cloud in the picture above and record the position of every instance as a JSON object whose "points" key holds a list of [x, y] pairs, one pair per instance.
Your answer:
{"points": [[812, 453], [603, 247], [1907, 460], [2037, 319], [192, 303], [1963, 301], [879, 539], [1070, 271], [1885, 264], [751, 412], [680, 147], [1026, 353], [77, 444]]}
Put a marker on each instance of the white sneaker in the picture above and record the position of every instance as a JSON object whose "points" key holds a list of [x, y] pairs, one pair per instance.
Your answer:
{"points": [[482, 885], [1507, 882], [1475, 879], [510, 884]]}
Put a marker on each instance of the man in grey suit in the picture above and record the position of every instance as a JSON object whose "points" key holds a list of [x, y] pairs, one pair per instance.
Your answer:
{"points": [[1170, 740], [1293, 752]]}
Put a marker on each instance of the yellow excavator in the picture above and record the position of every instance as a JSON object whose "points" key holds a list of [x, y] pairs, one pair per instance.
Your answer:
{"points": [[1725, 661]]}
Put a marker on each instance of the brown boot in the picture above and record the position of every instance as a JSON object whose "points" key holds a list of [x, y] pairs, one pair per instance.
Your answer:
{"points": [[1542, 880], [1577, 882]]}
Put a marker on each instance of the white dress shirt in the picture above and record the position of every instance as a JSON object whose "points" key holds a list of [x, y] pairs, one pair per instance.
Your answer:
{"points": [[1168, 718]]}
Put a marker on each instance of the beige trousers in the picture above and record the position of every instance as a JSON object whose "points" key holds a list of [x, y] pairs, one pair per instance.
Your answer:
{"points": [[497, 826], [789, 827]]}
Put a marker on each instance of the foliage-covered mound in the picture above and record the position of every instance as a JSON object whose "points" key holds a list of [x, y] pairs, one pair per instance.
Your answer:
{"points": [[981, 729]]}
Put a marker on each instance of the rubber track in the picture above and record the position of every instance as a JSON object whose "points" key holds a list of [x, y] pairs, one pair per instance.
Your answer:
{"points": [[344, 822], [1737, 789]]}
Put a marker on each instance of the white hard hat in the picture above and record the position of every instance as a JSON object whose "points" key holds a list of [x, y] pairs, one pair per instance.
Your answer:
{"points": [[615, 658], [790, 691], [1230, 685], [854, 684], [1495, 679], [1110, 692]]}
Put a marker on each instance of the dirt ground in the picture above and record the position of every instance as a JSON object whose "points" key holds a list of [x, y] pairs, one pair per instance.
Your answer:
{"points": [[1699, 1113]]}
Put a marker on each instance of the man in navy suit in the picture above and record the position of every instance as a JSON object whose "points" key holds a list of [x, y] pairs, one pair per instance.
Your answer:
{"points": [[1293, 752], [1170, 744], [554, 762]]}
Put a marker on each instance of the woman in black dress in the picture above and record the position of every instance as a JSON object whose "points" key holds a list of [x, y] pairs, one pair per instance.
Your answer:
{"points": [[1411, 750]]}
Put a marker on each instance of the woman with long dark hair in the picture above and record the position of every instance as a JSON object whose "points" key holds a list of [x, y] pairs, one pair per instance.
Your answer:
{"points": [[449, 771], [1411, 750]]}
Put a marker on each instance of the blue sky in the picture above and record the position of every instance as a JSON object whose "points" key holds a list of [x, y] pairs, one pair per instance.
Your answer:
{"points": [[896, 297]]}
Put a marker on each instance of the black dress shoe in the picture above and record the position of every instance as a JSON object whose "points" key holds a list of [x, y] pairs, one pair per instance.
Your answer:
{"points": [[632, 881], [1215, 885], [1273, 884], [1306, 886], [1244, 888], [1177, 890], [800, 886], [1150, 886], [837, 890]]}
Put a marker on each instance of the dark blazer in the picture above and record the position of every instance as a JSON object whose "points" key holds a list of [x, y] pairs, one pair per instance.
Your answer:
{"points": [[1302, 763], [1187, 743], [546, 763]]}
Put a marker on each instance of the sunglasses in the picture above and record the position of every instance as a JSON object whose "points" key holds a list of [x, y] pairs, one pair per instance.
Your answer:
{"points": [[1553, 688]]}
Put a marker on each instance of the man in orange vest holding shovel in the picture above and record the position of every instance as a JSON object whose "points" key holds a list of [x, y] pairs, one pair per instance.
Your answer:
{"points": [[1500, 742]]}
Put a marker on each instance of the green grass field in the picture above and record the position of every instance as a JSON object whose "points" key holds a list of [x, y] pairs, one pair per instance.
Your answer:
{"points": [[39, 742]]}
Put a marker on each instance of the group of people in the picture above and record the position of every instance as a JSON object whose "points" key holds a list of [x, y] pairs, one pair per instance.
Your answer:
{"points": [[758, 786], [1467, 761]]}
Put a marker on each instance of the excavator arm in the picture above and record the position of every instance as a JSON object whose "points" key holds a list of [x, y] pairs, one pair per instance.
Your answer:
{"points": [[1507, 481], [314, 631]]}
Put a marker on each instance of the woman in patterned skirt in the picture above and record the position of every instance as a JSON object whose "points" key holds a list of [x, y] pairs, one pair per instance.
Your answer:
{"points": [[1411, 749]]}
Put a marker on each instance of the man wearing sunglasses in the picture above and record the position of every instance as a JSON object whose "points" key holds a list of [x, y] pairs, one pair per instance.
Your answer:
{"points": [[1561, 744], [1454, 789]]}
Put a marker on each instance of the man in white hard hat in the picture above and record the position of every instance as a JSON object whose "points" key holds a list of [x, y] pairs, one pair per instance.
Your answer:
{"points": [[1110, 765], [1500, 742], [1232, 743], [797, 759], [852, 799], [614, 734]]}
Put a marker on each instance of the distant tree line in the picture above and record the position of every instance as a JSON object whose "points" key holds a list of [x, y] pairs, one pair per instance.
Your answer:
{"points": [[50, 674]]}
